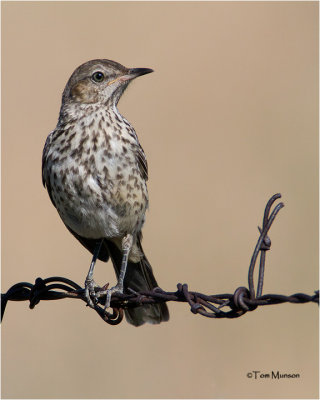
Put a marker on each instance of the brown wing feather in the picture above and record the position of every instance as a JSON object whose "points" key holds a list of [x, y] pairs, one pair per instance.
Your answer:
{"points": [[142, 162], [45, 180]]}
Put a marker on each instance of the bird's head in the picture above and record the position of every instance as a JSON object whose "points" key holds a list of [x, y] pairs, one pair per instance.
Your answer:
{"points": [[99, 81]]}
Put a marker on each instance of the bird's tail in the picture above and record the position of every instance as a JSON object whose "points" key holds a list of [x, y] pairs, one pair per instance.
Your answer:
{"points": [[139, 277]]}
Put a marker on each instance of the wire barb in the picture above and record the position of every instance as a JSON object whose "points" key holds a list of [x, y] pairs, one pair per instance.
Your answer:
{"points": [[240, 302]]}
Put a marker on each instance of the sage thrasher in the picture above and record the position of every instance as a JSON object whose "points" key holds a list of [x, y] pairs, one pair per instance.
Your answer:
{"points": [[95, 171]]}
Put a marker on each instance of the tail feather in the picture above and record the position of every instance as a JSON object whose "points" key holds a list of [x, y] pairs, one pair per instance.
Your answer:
{"points": [[139, 277]]}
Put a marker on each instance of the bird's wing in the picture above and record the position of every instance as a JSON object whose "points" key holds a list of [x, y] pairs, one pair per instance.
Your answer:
{"points": [[140, 155], [90, 244], [142, 162], [45, 180]]}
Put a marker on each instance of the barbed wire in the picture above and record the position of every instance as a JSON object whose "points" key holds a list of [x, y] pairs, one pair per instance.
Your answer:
{"points": [[211, 306]]}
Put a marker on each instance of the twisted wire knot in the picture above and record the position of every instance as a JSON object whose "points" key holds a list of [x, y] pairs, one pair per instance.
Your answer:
{"points": [[37, 291]]}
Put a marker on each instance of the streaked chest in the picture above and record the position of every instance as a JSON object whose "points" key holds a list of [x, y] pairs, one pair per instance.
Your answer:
{"points": [[96, 156]]}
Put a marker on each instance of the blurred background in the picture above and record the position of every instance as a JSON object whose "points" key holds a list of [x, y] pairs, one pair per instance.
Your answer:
{"points": [[228, 118]]}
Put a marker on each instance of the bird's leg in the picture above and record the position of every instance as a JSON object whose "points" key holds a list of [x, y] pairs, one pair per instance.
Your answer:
{"points": [[90, 284], [126, 246]]}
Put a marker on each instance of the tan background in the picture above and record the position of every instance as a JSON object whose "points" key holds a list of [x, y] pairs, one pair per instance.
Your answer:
{"points": [[228, 118]]}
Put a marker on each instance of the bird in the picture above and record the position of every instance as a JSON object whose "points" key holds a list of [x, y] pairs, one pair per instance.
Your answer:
{"points": [[95, 172]]}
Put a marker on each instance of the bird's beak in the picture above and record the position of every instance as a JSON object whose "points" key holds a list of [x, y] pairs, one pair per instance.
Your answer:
{"points": [[135, 72], [131, 74]]}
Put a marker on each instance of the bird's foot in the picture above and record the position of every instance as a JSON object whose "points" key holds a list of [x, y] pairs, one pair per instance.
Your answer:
{"points": [[115, 289], [90, 292]]}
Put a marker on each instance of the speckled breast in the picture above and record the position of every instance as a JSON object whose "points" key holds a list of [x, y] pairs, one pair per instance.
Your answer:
{"points": [[95, 180]]}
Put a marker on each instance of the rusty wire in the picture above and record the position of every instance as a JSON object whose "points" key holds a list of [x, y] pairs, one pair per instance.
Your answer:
{"points": [[241, 301]]}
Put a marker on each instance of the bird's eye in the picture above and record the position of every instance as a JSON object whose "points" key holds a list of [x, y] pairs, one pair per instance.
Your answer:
{"points": [[98, 76]]}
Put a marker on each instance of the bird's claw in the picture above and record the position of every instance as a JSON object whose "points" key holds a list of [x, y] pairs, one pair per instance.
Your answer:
{"points": [[109, 292], [90, 292]]}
